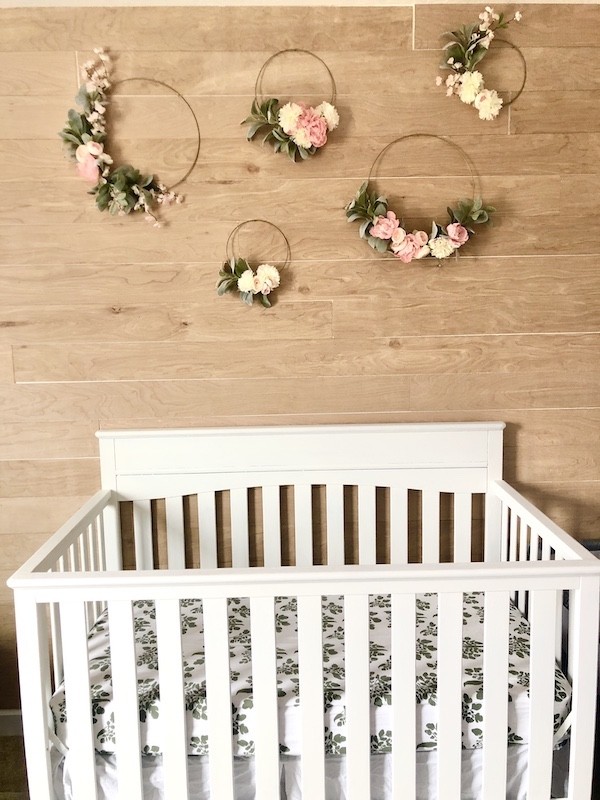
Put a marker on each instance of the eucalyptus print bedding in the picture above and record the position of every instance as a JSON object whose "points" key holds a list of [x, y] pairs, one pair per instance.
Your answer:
{"points": [[243, 714]]}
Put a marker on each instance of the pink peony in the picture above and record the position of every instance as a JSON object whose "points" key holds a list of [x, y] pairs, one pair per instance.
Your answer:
{"points": [[457, 234], [88, 169], [315, 125], [385, 227], [409, 247]]}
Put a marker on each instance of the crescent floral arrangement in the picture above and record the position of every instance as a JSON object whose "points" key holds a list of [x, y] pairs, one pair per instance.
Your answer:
{"points": [[466, 48], [295, 129], [236, 275], [385, 233], [120, 190]]}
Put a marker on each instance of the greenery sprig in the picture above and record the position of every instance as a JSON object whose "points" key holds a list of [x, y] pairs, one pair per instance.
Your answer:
{"points": [[236, 275]]}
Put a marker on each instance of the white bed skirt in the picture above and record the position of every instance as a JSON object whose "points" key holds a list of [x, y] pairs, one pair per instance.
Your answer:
{"points": [[335, 772]]}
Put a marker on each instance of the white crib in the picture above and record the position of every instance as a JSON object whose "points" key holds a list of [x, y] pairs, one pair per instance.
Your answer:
{"points": [[403, 503]]}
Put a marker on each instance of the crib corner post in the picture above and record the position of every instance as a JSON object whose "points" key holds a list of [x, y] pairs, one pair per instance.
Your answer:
{"points": [[493, 506], [35, 682]]}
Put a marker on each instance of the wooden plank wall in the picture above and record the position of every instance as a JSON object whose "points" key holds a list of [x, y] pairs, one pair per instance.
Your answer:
{"points": [[106, 322]]}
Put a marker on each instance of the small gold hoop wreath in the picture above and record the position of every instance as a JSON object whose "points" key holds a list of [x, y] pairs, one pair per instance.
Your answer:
{"points": [[123, 189], [237, 274], [385, 233], [294, 128], [466, 48]]}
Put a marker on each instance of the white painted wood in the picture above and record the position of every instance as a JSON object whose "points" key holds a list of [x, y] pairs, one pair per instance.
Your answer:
{"points": [[523, 556], [358, 739], [463, 521], [367, 542], [449, 694], [175, 532], [495, 694], [240, 548], [493, 506], [430, 527], [303, 524], [335, 525], [310, 662], [218, 698], [127, 716], [172, 704], [541, 693], [398, 525], [207, 524], [404, 712], [505, 534], [264, 694], [271, 526], [77, 691], [142, 533]]}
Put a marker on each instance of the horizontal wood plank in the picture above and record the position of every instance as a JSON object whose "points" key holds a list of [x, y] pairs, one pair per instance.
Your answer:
{"points": [[31, 440], [555, 112], [45, 478], [35, 515], [38, 74]]}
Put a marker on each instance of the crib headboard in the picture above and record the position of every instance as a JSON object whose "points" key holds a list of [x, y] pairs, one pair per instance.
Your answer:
{"points": [[457, 459]]}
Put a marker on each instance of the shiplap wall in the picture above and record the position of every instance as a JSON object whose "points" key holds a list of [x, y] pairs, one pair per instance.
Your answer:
{"points": [[108, 323]]}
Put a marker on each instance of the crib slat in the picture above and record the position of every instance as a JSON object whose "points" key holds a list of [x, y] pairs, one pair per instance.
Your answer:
{"points": [[358, 731], [175, 533], [463, 518], [303, 524], [367, 549], [335, 525], [207, 524], [238, 503], [172, 706], [404, 709], [125, 691], [142, 532], [523, 556], [310, 658], [495, 699], [449, 693], [504, 533], [271, 526], [541, 693], [264, 693], [430, 535], [218, 698], [398, 525], [77, 691]]}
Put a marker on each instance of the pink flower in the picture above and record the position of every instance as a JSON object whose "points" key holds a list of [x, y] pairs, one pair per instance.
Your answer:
{"points": [[88, 169], [409, 247], [315, 125], [385, 227], [457, 234]]}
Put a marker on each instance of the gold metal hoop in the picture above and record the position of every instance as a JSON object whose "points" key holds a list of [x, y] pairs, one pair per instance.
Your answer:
{"points": [[259, 78], [522, 57], [229, 248]]}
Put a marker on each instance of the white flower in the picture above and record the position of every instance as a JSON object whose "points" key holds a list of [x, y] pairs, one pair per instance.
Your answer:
{"points": [[441, 247], [288, 117], [424, 251], [487, 40], [268, 277], [302, 138], [450, 60], [488, 103], [471, 83], [246, 282], [329, 114], [439, 80], [518, 16]]}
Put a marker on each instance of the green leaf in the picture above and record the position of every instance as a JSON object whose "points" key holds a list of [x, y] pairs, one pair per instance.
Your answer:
{"points": [[265, 300], [247, 297], [363, 228], [381, 245]]}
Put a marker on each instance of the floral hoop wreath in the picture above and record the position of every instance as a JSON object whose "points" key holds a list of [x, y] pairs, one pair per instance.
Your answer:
{"points": [[237, 275], [467, 47], [123, 189], [385, 233], [294, 128]]}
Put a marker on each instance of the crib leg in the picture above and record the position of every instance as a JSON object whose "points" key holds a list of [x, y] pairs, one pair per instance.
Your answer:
{"points": [[34, 677]]}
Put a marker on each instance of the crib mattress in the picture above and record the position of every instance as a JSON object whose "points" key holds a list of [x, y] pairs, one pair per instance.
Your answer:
{"points": [[243, 719]]}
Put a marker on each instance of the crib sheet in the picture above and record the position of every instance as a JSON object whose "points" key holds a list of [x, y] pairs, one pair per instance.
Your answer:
{"points": [[473, 726]]}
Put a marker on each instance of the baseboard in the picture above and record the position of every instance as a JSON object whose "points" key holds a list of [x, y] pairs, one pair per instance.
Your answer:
{"points": [[10, 723]]}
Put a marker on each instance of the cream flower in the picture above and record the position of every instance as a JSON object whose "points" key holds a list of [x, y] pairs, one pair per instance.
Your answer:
{"points": [[268, 277], [488, 103], [441, 247], [518, 16], [302, 138], [471, 83], [246, 282], [329, 114], [288, 117]]}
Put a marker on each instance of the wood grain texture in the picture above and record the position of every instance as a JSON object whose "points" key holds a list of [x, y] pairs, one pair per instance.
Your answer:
{"points": [[106, 323]]}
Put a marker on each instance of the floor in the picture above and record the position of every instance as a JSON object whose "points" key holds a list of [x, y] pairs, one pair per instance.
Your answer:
{"points": [[13, 785]]}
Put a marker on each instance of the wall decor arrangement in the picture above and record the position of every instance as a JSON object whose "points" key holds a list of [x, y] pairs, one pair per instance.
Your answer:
{"points": [[123, 189], [237, 274], [294, 128], [384, 230], [466, 48]]}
